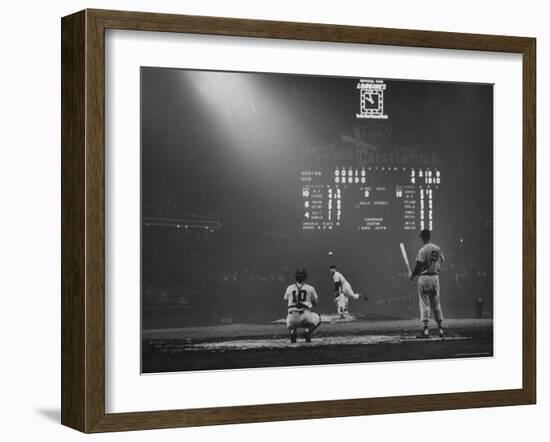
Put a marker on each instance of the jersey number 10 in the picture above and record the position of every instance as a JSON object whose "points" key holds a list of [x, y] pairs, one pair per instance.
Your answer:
{"points": [[298, 297]]}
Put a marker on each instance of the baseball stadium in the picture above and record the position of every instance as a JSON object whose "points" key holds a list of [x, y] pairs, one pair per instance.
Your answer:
{"points": [[247, 177]]}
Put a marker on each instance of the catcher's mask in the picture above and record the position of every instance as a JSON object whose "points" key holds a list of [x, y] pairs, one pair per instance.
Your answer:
{"points": [[301, 275]]}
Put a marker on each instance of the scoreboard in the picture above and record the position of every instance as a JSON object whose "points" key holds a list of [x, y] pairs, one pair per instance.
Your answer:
{"points": [[369, 198]]}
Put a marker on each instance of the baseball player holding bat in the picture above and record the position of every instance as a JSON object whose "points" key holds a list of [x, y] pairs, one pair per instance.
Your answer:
{"points": [[428, 265]]}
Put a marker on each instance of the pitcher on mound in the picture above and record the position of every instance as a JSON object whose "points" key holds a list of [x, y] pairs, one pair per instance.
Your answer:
{"points": [[343, 291]]}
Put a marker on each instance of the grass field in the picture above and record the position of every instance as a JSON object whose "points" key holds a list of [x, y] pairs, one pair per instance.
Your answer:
{"points": [[335, 342]]}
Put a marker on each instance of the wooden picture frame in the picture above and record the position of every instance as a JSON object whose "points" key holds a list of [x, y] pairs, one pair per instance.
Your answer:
{"points": [[83, 220]]}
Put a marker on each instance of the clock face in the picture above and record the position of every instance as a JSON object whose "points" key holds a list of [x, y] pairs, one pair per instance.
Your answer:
{"points": [[370, 101]]}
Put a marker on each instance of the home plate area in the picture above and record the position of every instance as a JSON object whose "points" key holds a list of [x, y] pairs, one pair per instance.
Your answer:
{"points": [[273, 343], [337, 341]]}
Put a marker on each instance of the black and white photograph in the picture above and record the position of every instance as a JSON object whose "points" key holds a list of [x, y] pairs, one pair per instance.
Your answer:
{"points": [[297, 220], [249, 221]]}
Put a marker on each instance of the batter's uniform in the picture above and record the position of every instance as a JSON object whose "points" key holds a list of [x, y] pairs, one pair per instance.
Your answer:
{"points": [[300, 300], [431, 258], [343, 286]]}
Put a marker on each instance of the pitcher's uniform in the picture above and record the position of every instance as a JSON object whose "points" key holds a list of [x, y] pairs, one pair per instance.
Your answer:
{"points": [[300, 300], [343, 286], [342, 302], [431, 258]]}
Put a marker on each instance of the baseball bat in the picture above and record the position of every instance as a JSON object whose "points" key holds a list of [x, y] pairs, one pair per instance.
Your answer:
{"points": [[404, 253]]}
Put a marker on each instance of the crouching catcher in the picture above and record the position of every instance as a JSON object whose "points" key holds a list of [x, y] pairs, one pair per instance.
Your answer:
{"points": [[301, 298]]}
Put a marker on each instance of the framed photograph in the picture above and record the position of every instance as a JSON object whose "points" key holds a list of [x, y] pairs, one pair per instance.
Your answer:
{"points": [[271, 220]]}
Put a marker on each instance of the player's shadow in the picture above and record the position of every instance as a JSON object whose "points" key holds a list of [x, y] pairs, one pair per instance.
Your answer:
{"points": [[51, 414]]}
